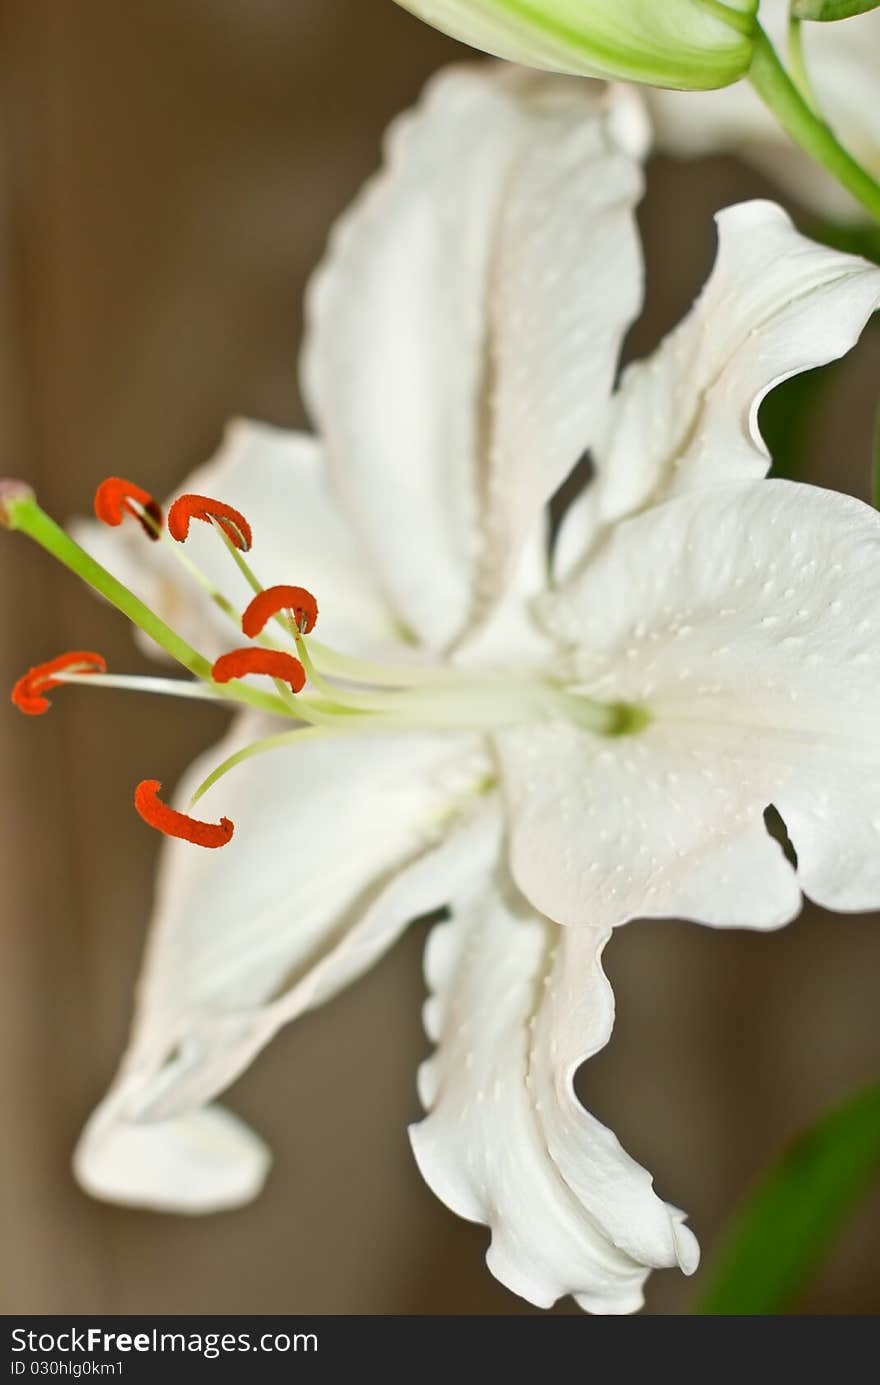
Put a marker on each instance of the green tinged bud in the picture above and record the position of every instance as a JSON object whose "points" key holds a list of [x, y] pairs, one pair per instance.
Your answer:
{"points": [[826, 10], [686, 44]]}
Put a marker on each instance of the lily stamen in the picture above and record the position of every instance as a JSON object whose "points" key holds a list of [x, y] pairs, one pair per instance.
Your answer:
{"points": [[192, 688], [238, 663], [174, 824], [29, 692], [297, 601], [296, 610], [115, 498], [189, 507]]}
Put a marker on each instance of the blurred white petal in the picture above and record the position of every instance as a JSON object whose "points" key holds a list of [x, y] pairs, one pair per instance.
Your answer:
{"points": [[464, 331], [203, 1161], [338, 845]]}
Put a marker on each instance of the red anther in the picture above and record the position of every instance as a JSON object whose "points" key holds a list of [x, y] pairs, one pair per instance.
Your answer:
{"points": [[299, 602], [115, 498], [189, 507], [28, 693], [174, 824], [239, 662]]}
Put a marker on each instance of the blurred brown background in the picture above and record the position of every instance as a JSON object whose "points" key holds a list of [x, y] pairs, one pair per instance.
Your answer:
{"points": [[168, 174]]}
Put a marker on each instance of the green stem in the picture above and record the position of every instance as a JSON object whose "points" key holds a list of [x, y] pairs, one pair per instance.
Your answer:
{"points": [[33, 521], [797, 63], [779, 93]]}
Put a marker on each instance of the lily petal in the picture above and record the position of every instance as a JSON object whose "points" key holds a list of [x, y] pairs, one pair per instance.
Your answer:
{"points": [[203, 1161], [338, 845], [454, 391], [279, 481], [686, 418], [513, 631], [666, 824], [745, 620], [517, 1004]]}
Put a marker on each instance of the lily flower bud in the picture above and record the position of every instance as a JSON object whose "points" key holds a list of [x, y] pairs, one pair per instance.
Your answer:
{"points": [[685, 44]]}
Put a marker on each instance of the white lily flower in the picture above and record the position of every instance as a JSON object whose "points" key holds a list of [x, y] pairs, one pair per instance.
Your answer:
{"points": [[547, 755], [842, 61]]}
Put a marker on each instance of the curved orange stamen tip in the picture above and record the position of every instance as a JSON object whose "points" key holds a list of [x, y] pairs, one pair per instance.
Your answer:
{"points": [[174, 824], [115, 498], [239, 662], [29, 692], [299, 602], [189, 507]]}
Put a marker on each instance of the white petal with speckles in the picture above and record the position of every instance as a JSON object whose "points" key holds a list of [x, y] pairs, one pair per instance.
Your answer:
{"points": [[746, 620], [464, 330], [517, 1004]]}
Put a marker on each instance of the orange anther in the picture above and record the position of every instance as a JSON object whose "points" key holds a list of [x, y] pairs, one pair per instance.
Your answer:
{"points": [[300, 603], [28, 693], [190, 507], [115, 498], [174, 824], [239, 662]]}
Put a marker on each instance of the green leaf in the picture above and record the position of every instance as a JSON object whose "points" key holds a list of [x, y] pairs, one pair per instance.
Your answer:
{"points": [[830, 9], [790, 1219]]}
